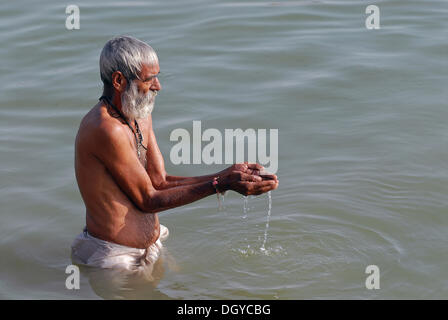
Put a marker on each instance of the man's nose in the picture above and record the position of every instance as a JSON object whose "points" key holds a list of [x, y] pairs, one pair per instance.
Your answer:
{"points": [[156, 85]]}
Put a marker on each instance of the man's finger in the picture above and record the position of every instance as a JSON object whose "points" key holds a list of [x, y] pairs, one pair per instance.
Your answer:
{"points": [[269, 188], [250, 178], [259, 184], [255, 166], [253, 171], [268, 176], [265, 189], [266, 184]]}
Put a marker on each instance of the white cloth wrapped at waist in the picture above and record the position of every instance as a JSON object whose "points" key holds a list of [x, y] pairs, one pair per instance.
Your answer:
{"points": [[93, 252]]}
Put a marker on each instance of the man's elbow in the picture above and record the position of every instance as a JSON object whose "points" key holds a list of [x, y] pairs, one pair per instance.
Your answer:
{"points": [[152, 203], [159, 182], [159, 185]]}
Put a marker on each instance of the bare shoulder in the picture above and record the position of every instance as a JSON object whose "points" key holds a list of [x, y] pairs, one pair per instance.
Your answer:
{"points": [[99, 129]]}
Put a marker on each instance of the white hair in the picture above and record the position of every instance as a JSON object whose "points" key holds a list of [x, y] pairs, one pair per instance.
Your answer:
{"points": [[125, 54]]}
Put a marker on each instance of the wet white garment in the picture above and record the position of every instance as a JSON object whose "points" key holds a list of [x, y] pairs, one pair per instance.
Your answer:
{"points": [[90, 251]]}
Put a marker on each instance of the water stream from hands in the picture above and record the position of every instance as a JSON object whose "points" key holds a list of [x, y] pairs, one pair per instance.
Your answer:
{"points": [[263, 249], [246, 209]]}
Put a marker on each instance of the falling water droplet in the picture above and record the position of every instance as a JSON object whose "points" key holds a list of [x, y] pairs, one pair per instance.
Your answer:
{"points": [[223, 198], [245, 207], [267, 222], [218, 195]]}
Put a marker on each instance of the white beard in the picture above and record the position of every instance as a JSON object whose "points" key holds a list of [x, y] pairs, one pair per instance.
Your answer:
{"points": [[135, 105]]}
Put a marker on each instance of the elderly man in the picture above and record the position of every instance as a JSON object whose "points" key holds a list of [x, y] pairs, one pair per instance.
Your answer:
{"points": [[120, 170]]}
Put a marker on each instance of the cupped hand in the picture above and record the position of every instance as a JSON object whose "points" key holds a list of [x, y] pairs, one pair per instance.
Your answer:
{"points": [[251, 169], [249, 184]]}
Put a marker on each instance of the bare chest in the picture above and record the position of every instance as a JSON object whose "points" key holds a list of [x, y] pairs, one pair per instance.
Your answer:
{"points": [[139, 142]]}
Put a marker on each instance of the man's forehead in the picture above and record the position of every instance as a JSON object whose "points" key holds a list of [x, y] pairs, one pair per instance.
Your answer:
{"points": [[149, 70]]}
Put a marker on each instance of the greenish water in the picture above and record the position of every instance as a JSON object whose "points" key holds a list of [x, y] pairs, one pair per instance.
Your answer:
{"points": [[363, 153]]}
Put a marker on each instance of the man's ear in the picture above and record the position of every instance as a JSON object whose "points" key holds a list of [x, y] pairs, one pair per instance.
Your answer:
{"points": [[119, 82]]}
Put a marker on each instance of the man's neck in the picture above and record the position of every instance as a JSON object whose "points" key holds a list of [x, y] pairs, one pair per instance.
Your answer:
{"points": [[114, 97]]}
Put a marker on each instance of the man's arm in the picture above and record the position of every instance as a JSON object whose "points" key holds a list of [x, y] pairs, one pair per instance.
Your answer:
{"points": [[249, 168], [161, 180], [238, 181], [113, 149]]}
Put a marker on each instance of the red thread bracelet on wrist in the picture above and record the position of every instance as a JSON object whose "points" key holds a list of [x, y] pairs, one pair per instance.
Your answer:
{"points": [[215, 184]]}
